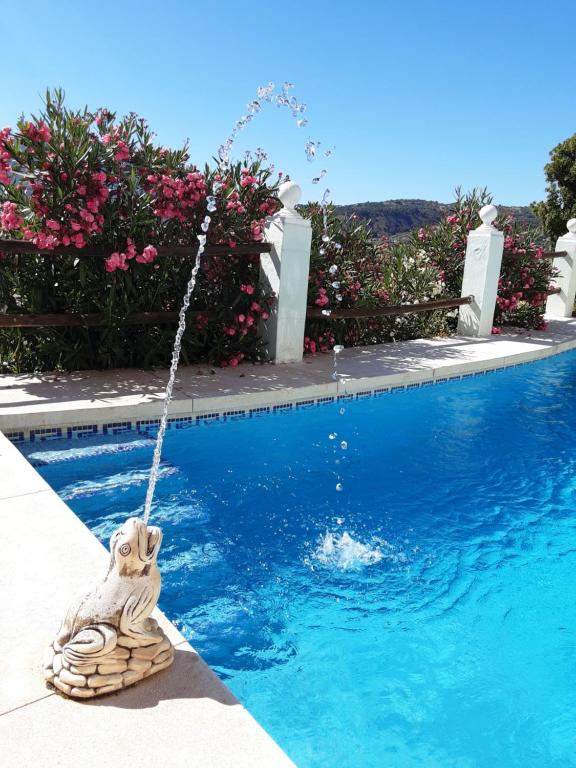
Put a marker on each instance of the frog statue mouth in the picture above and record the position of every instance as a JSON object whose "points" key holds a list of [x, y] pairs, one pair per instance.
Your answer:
{"points": [[149, 540], [136, 542], [153, 540]]}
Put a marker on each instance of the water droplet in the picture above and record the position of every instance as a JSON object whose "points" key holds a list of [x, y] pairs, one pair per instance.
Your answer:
{"points": [[335, 284], [201, 240], [205, 224], [338, 297], [333, 435], [322, 251], [338, 348], [325, 238], [310, 148], [339, 520], [211, 203], [327, 312], [342, 411], [344, 445], [339, 486], [317, 179], [333, 269], [302, 122]]}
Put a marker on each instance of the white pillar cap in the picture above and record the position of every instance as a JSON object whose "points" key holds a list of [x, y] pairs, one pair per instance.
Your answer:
{"points": [[488, 214], [289, 194], [571, 225]]}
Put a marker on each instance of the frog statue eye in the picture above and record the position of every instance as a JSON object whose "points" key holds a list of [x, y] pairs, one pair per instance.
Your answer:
{"points": [[125, 549]]}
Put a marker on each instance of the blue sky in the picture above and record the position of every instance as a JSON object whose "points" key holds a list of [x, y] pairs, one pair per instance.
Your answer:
{"points": [[417, 96]]}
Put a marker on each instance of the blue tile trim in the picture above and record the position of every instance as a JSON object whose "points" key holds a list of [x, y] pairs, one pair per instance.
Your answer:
{"points": [[15, 437], [85, 430], [182, 421], [143, 425], [205, 418], [116, 427], [255, 412], [47, 433]]}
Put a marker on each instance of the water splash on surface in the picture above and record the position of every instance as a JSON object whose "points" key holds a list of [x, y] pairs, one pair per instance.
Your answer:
{"points": [[344, 553]]}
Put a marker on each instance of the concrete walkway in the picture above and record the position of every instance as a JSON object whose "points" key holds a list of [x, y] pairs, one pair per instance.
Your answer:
{"points": [[118, 397]]}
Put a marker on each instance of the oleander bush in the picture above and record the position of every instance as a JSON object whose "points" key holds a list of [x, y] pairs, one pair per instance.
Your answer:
{"points": [[353, 269], [101, 187], [525, 276]]}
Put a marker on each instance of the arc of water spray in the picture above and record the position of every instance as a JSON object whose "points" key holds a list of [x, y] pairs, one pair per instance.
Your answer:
{"points": [[265, 93]]}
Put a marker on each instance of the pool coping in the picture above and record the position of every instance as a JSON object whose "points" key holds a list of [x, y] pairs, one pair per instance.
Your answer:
{"points": [[82, 404], [182, 714]]}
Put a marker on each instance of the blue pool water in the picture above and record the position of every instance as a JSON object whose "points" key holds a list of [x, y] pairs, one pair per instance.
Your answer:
{"points": [[423, 616]]}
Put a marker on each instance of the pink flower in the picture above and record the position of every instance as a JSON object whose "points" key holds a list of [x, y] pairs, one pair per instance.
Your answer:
{"points": [[116, 261], [9, 218], [78, 240], [496, 330], [123, 151], [52, 224], [37, 133], [421, 233], [44, 241], [256, 231], [148, 255]]}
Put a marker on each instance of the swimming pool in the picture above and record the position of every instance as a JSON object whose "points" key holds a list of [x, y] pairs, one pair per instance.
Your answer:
{"points": [[424, 615]]}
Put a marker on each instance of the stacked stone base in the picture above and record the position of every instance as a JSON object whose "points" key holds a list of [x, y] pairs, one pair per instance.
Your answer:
{"points": [[125, 665]]}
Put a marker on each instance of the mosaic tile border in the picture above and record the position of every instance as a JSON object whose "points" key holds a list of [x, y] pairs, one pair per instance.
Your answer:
{"points": [[150, 426]]}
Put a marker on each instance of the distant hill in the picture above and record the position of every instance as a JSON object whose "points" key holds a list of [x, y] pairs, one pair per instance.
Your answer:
{"points": [[398, 217]]}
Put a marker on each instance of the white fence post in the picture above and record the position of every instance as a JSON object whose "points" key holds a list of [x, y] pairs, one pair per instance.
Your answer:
{"points": [[562, 304], [484, 250], [285, 272]]}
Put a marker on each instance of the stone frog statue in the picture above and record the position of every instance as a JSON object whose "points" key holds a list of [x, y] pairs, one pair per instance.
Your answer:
{"points": [[107, 639]]}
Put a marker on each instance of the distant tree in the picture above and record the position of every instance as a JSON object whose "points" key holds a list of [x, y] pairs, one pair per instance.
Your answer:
{"points": [[560, 203]]}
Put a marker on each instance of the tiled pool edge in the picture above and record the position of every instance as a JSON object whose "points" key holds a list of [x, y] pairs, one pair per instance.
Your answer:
{"points": [[115, 419], [27, 704]]}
